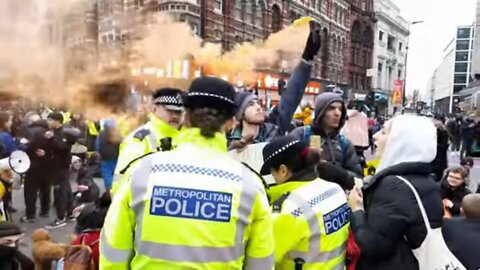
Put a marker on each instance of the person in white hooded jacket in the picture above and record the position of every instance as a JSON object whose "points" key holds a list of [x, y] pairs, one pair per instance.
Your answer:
{"points": [[386, 221]]}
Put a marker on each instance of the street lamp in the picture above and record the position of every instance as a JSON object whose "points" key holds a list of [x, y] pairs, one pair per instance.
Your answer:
{"points": [[404, 99]]}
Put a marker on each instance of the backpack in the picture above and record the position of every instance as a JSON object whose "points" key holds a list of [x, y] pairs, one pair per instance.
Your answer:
{"points": [[342, 140], [80, 257]]}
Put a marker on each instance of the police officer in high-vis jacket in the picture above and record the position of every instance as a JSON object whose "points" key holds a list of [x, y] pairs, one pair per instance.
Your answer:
{"points": [[310, 215], [156, 135], [192, 207]]}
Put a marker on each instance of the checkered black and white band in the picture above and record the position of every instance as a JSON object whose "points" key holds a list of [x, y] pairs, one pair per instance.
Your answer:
{"points": [[210, 95], [169, 100]]}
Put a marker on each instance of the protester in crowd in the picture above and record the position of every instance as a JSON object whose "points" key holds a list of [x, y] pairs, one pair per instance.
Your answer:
{"points": [[454, 128], [10, 257], [78, 121], [108, 148], [37, 178], [292, 164], [253, 126], [23, 131], [84, 188], [389, 225], [468, 137], [454, 189], [462, 235], [60, 140], [472, 184], [8, 144], [440, 163], [330, 117]]}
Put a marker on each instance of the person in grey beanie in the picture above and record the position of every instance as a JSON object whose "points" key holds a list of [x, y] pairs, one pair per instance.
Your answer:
{"points": [[253, 125]]}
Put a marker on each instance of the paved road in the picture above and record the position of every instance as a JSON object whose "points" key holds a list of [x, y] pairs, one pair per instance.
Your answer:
{"points": [[62, 234]]}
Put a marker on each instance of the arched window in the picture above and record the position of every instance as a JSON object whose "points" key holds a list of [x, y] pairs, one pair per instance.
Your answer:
{"points": [[319, 6], [248, 7], [276, 19], [260, 11]]}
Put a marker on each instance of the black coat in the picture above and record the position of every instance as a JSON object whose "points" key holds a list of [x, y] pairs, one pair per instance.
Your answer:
{"points": [[462, 237], [392, 215], [454, 195], [35, 134]]}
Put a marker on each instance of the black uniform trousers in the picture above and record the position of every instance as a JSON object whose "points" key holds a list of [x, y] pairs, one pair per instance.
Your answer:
{"points": [[37, 180]]}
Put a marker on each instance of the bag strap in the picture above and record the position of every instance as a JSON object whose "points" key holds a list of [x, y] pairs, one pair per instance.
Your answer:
{"points": [[307, 133], [419, 201]]}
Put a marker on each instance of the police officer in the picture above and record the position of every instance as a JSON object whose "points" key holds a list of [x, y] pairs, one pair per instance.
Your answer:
{"points": [[193, 207], [156, 135], [310, 215]]}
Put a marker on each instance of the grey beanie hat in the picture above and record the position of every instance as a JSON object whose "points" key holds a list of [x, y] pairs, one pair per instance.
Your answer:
{"points": [[241, 100]]}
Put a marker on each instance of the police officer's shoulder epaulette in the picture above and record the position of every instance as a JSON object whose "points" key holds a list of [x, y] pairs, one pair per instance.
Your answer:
{"points": [[265, 185], [141, 134], [277, 205], [124, 170]]}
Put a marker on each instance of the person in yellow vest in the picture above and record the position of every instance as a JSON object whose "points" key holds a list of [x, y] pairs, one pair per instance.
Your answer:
{"points": [[159, 134], [310, 215], [193, 207]]}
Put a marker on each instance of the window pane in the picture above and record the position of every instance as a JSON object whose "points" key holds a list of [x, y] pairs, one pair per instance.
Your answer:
{"points": [[461, 56], [458, 88], [462, 45], [461, 67], [460, 79], [463, 33]]}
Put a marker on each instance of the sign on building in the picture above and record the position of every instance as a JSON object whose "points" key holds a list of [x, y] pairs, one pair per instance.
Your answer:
{"points": [[397, 92]]}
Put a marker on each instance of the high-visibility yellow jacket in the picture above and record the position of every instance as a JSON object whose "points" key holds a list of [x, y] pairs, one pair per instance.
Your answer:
{"points": [[310, 221], [144, 140], [190, 208]]}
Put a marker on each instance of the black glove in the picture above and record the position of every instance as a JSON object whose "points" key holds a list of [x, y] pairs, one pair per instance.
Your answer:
{"points": [[332, 173], [313, 45]]}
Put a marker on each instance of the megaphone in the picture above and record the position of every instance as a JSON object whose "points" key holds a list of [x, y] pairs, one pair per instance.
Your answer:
{"points": [[18, 162]]}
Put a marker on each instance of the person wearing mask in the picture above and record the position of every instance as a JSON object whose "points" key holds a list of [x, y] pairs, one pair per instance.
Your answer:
{"points": [[60, 142], [108, 148], [10, 257], [330, 117], [165, 121], [310, 215], [454, 189], [225, 222], [462, 235], [253, 126], [386, 220], [37, 179]]}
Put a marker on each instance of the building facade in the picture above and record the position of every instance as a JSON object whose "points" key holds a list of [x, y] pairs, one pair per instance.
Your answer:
{"points": [[389, 58], [361, 45], [455, 71]]}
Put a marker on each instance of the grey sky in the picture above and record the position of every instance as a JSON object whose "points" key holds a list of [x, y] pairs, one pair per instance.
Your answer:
{"points": [[428, 40]]}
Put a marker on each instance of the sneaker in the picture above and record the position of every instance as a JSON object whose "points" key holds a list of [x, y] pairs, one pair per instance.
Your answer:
{"points": [[56, 224], [71, 218], [44, 215], [27, 220]]}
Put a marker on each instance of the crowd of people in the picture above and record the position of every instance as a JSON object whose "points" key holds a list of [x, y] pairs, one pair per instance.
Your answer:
{"points": [[175, 200]]}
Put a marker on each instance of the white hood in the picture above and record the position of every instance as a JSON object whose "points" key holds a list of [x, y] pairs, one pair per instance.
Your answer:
{"points": [[411, 139]]}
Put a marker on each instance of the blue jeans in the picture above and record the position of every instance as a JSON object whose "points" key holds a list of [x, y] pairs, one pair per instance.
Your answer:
{"points": [[108, 169]]}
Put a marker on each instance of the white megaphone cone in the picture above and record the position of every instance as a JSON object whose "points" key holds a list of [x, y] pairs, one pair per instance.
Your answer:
{"points": [[18, 162]]}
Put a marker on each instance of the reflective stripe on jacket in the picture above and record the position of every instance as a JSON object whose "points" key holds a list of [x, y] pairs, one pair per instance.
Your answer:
{"points": [[190, 208], [312, 225]]}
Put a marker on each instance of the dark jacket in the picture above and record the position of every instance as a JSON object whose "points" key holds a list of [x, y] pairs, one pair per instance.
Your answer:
{"points": [[454, 195], [392, 224], [60, 146], [280, 123], [35, 134], [440, 163], [462, 237], [10, 144], [106, 149], [85, 178], [334, 152]]}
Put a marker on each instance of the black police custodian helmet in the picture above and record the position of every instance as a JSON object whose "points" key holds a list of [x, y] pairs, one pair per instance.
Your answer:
{"points": [[279, 150], [211, 92]]}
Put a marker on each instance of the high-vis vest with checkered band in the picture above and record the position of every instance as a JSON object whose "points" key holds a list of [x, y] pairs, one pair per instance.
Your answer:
{"points": [[190, 208], [311, 228], [135, 146]]}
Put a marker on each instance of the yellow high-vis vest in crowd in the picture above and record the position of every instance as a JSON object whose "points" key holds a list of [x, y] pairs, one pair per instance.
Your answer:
{"points": [[144, 140], [311, 225], [190, 208]]}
